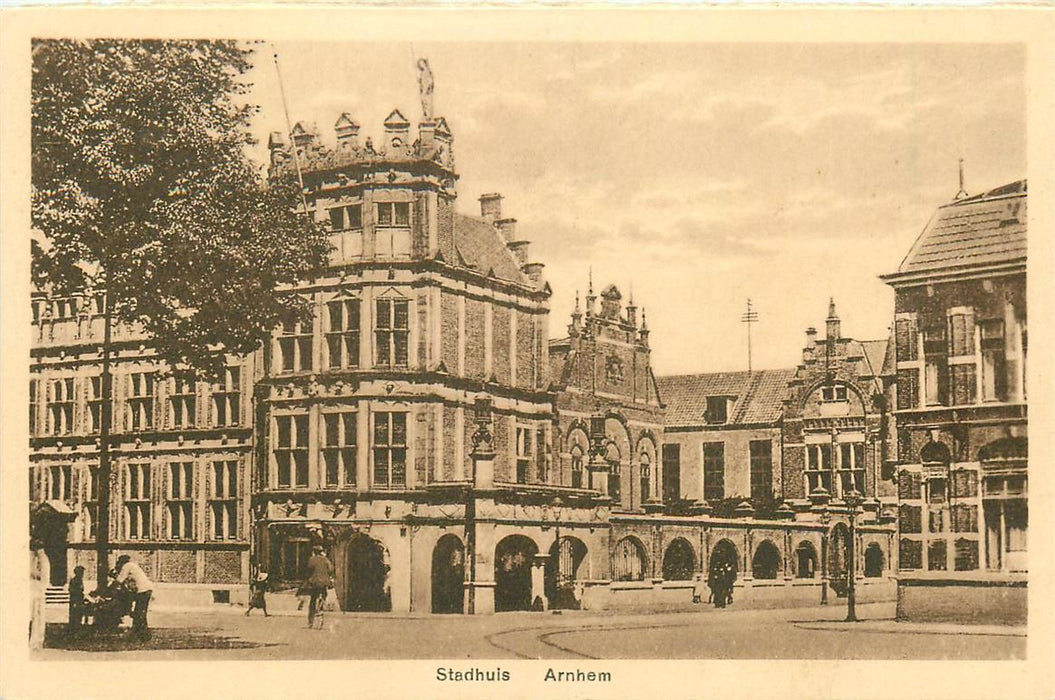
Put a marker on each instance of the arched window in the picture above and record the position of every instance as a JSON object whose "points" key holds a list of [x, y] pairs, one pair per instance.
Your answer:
{"points": [[628, 560], [576, 467], [679, 561], [766, 562]]}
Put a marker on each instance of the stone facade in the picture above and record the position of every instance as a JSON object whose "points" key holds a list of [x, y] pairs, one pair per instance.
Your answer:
{"points": [[962, 476], [181, 452]]}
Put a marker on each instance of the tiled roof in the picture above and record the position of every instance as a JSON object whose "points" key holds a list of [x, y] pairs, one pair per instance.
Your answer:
{"points": [[758, 396], [480, 245], [985, 229]]}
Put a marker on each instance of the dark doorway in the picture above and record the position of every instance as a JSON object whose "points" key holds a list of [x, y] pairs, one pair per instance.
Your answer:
{"points": [[562, 571], [873, 561], [514, 557], [724, 554], [448, 575], [367, 571], [805, 560], [679, 561]]}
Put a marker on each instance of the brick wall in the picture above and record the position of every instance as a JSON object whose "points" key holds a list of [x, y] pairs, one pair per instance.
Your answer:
{"points": [[500, 352], [474, 339]]}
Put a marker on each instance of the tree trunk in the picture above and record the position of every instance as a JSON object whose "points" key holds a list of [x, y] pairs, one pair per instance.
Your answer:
{"points": [[102, 524]]}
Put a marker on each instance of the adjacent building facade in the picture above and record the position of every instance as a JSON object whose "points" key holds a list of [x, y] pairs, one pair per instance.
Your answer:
{"points": [[961, 339]]}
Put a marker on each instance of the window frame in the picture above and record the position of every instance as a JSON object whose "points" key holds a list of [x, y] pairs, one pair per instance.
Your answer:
{"points": [[390, 448]]}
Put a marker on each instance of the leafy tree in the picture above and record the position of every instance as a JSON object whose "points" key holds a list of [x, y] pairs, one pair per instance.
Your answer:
{"points": [[142, 187]]}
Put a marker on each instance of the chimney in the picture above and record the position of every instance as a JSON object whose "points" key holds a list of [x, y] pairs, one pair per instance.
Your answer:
{"points": [[811, 341], [533, 270], [303, 134], [832, 324], [347, 131], [631, 312], [491, 206], [397, 130], [508, 227], [519, 249]]}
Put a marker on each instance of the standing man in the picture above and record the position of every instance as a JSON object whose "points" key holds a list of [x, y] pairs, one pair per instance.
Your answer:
{"points": [[141, 589], [320, 578], [77, 602]]}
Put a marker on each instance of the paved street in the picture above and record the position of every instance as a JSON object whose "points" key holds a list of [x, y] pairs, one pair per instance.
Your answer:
{"points": [[814, 633]]}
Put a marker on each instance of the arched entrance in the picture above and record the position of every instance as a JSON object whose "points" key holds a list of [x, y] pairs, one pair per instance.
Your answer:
{"points": [[365, 576], [679, 561], [448, 575], [805, 560], [514, 557], [562, 571], [724, 555], [629, 562], [766, 562], [873, 561]]}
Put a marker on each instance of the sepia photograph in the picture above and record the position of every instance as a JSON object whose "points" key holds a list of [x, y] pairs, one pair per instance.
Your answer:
{"points": [[493, 350]]}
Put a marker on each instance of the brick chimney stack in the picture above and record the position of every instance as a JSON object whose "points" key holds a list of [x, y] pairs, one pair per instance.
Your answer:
{"points": [[491, 206]]}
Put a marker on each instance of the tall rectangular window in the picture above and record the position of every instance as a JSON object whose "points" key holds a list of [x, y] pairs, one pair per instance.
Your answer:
{"points": [[994, 366], [339, 448], [964, 389], [852, 466], [937, 555], [576, 468], [819, 466], [227, 398], [137, 501], [295, 347], [95, 404], [966, 555], [180, 500], [713, 470], [140, 400], [909, 485], [907, 388], [761, 453], [910, 554], [907, 339], [645, 468], [961, 334], [671, 473], [390, 450], [392, 330], [183, 403], [223, 499], [60, 406], [91, 501], [342, 335], [910, 519], [60, 479], [524, 439], [291, 451], [34, 405]]}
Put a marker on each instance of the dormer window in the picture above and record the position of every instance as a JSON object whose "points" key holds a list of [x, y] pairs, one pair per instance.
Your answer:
{"points": [[393, 214], [717, 409], [834, 393]]}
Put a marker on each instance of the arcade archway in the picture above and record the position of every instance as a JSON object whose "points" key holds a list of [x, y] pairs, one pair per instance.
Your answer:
{"points": [[448, 575], [365, 576], [514, 557], [766, 562], [724, 555], [679, 561], [563, 570]]}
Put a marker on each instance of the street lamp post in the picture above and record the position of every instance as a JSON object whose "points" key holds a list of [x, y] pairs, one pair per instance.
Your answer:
{"points": [[853, 500], [483, 442], [826, 518]]}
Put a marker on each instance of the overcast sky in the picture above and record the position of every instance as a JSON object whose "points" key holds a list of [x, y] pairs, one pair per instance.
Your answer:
{"points": [[700, 174]]}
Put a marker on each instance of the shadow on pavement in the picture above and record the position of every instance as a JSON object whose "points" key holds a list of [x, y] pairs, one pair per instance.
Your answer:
{"points": [[56, 636]]}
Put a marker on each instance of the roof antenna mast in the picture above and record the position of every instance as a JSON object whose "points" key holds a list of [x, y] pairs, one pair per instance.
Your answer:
{"points": [[749, 316], [962, 193]]}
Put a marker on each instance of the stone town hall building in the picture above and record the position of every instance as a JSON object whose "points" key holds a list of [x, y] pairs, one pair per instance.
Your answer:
{"points": [[364, 430]]}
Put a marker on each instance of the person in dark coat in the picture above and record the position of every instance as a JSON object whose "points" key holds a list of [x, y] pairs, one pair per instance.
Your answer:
{"points": [[258, 594], [320, 578], [78, 604]]}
